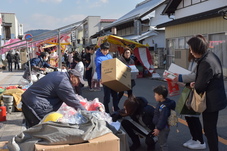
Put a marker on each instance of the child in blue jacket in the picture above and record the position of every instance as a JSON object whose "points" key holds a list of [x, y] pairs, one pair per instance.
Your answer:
{"points": [[161, 114]]}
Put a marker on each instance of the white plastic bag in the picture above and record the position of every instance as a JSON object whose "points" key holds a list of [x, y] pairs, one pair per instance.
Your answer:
{"points": [[95, 77]]}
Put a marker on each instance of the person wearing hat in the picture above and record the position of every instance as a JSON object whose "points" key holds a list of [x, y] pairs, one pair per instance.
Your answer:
{"points": [[102, 54], [48, 94]]}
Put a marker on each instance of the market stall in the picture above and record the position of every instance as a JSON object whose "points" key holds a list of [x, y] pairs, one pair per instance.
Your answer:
{"points": [[144, 60]]}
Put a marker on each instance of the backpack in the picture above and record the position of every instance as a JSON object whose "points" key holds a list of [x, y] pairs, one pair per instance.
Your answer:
{"points": [[172, 119]]}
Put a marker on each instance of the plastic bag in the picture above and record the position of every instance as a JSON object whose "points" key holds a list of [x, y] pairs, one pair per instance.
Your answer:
{"points": [[70, 115], [93, 105], [94, 77], [24, 84], [102, 116]]}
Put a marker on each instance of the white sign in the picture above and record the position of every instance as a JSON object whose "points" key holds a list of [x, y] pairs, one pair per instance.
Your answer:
{"points": [[177, 69]]}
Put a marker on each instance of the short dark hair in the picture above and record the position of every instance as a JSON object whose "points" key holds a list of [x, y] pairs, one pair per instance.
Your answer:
{"points": [[77, 57], [88, 48], [161, 90], [43, 54], [198, 44], [105, 45]]}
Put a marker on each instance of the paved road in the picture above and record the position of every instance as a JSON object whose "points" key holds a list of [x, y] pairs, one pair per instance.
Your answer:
{"points": [[144, 87]]}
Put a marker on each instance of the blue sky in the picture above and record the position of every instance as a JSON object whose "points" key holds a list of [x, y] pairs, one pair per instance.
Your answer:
{"points": [[53, 14]]}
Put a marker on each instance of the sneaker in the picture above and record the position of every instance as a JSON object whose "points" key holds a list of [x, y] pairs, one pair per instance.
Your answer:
{"points": [[91, 90], [189, 142], [99, 89], [197, 145]]}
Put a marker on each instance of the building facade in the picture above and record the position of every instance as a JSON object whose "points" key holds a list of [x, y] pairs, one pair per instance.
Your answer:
{"points": [[10, 28], [139, 25], [206, 17]]}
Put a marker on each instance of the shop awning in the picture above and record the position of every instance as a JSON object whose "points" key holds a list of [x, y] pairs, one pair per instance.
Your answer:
{"points": [[119, 41], [50, 36], [11, 43]]}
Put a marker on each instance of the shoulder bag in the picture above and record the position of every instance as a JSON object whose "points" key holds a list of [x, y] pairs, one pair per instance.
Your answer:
{"points": [[198, 103]]}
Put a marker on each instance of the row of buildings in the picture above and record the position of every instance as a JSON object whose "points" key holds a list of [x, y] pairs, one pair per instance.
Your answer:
{"points": [[165, 25]]}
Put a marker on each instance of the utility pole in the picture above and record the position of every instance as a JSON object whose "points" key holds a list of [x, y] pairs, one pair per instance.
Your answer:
{"points": [[3, 28]]}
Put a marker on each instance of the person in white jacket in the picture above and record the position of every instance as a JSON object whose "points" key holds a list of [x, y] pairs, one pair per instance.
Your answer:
{"points": [[80, 68], [193, 121]]}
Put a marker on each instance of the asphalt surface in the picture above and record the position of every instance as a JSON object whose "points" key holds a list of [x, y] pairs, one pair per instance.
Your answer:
{"points": [[144, 87]]}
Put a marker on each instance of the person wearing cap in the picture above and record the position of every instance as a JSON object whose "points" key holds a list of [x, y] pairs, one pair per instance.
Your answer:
{"points": [[102, 54], [48, 94]]}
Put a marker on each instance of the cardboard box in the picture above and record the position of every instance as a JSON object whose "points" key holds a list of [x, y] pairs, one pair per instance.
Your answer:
{"points": [[116, 75], [134, 71], [123, 140], [108, 142], [2, 146]]}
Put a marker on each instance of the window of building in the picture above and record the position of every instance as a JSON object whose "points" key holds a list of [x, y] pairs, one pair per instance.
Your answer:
{"points": [[186, 3], [218, 45], [175, 43], [196, 1], [186, 40], [7, 32], [178, 54], [181, 43]]}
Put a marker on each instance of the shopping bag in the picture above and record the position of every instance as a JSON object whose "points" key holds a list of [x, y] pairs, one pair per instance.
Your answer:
{"points": [[198, 103], [173, 88], [181, 108], [94, 77]]}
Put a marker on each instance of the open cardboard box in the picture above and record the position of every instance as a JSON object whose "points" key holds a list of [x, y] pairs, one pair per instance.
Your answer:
{"points": [[2, 144], [108, 142]]}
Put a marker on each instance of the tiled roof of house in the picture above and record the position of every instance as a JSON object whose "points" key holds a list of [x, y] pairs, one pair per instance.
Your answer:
{"points": [[196, 17], [139, 11]]}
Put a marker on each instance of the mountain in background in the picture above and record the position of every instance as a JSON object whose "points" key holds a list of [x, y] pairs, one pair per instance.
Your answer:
{"points": [[36, 32]]}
